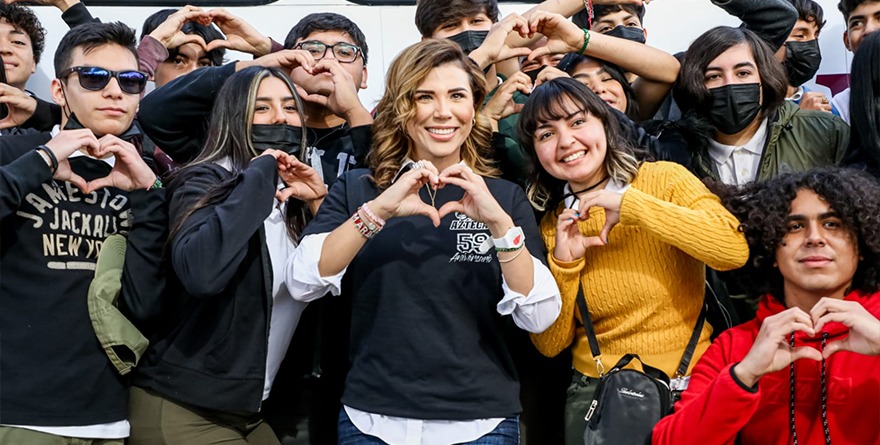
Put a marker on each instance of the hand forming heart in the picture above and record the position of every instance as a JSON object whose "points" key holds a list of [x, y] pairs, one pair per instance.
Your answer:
{"points": [[129, 170], [772, 352]]}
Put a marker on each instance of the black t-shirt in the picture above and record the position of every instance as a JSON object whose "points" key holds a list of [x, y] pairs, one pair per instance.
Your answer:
{"points": [[427, 340]]}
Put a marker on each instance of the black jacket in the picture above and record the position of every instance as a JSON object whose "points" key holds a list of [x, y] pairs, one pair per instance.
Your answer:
{"points": [[211, 349]]}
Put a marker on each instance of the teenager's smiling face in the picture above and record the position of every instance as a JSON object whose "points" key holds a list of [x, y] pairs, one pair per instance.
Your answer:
{"points": [[818, 255]]}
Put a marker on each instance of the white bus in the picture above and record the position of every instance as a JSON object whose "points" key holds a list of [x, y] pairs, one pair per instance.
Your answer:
{"points": [[389, 26]]}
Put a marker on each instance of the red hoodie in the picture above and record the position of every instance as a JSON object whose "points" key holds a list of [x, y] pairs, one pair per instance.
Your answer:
{"points": [[716, 408]]}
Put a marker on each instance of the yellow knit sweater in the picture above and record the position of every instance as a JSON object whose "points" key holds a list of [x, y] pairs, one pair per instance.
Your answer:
{"points": [[645, 287]]}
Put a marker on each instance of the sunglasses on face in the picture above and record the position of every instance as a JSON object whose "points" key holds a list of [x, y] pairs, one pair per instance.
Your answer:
{"points": [[343, 52], [93, 78]]}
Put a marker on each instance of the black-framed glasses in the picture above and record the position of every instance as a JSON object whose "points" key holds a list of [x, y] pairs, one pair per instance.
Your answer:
{"points": [[343, 52], [94, 78]]}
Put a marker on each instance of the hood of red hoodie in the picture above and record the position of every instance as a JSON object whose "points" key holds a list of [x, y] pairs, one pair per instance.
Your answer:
{"points": [[769, 305]]}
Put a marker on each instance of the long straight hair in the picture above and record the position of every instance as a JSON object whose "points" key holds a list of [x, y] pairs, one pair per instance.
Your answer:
{"points": [[229, 136], [864, 103]]}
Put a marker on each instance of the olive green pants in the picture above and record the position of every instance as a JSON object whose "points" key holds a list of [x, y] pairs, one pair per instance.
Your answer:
{"points": [[19, 436], [156, 420], [577, 403]]}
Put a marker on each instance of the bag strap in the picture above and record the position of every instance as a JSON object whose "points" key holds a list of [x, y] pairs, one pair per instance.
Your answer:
{"points": [[692, 343], [594, 343], [588, 322]]}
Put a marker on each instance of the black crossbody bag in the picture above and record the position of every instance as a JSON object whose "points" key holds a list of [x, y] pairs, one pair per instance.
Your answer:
{"points": [[628, 402]]}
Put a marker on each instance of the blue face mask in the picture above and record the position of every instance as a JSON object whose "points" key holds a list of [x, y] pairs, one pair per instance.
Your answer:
{"points": [[469, 40], [630, 33], [286, 138]]}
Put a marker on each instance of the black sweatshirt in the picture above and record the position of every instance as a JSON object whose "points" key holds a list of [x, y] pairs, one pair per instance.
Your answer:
{"points": [[427, 340], [53, 371]]}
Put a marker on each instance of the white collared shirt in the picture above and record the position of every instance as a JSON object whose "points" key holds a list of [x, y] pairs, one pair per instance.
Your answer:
{"points": [[286, 311], [738, 165]]}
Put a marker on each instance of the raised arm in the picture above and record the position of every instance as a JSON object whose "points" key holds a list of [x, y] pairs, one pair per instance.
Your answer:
{"points": [[657, 70]]}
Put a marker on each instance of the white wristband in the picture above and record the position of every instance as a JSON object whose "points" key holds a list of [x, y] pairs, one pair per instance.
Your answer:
{"points": [[513, 239]]}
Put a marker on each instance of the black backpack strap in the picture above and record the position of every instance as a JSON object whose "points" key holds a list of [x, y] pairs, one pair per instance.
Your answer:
{"points": [[692, 344]]}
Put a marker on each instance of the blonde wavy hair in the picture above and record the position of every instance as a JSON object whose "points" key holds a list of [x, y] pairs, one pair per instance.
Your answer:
{"points": [[391, 143]]}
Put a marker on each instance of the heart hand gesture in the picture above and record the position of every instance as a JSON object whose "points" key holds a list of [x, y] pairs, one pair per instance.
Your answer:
{"points": [[477, 202], [571, 244], [129, 172], [864, 328], [402, 198]]}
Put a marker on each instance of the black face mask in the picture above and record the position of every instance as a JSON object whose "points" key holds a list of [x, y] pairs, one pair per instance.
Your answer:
{"points": [[286, 138], [74, 124], [734, 106], [533, 74], [469, 40], [802, 61], [629, 33]]}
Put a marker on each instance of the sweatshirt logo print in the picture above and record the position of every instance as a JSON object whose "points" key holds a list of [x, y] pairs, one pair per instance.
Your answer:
{"points": [[467, 245], [72, 226]]}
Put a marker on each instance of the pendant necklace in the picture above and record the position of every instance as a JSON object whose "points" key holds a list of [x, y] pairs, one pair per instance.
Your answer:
{"points": [[431, 194]]}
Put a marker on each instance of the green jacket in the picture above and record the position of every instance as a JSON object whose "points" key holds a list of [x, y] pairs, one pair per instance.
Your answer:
{"points": [[510, 158], [797, 140]]}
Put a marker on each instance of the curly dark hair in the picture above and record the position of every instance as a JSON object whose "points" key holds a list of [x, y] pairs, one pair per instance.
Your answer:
{"points": [[762, 208], [23, 18]]}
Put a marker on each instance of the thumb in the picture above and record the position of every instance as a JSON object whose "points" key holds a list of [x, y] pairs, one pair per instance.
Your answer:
{"points": [[197, 39], [593, 241], [517, 52], [430, 212], [217, 44], [606, 229], [99, 183], [806, 352], [836, 346], [538, 52], [79, 182], [449, 207]]}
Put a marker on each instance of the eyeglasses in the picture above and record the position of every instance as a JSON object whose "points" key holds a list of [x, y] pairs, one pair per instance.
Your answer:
{"points": [[343, 52], [95, 79]]}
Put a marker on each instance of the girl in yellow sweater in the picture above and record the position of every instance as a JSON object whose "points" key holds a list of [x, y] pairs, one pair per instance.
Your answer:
{"points": [[637, 236]]}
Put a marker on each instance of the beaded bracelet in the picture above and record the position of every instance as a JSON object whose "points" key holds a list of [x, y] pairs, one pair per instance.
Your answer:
{"points": [[371, 215], [52, 158], [586, 40], [157, 184]]}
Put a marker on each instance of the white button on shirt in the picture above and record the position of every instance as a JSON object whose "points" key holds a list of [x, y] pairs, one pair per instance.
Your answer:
{"points": [[738, 165]]}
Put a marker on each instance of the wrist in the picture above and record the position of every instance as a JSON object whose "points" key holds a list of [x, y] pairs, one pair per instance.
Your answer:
{"points": [[746, 377], [358, 116], [263, 48], [64, 5], [379, 209], [498, 228]]}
